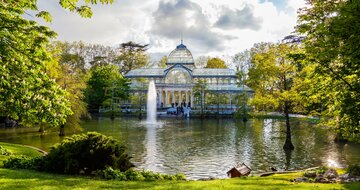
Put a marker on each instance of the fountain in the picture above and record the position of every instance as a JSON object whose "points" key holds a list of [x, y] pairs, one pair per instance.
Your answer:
{"points": [[151, 103]]}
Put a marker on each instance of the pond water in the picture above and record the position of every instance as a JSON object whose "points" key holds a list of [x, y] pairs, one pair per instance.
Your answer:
{"points": [[209, 148]]}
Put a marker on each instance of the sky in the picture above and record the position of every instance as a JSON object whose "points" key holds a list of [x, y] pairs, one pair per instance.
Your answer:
{"points": [[213, 28]]}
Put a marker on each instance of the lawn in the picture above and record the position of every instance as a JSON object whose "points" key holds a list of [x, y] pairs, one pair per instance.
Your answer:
{"points": [[26, 179]]}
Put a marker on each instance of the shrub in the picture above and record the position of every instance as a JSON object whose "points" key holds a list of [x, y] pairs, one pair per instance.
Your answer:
{"points": [[4, 151], [85, 154], [110, 173], [353, 170], [23, 162], [321, 170], [132, 175]]}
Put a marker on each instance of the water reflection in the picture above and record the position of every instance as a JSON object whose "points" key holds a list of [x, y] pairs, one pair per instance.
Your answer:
{"points": [[209, 148], [151, 156]]}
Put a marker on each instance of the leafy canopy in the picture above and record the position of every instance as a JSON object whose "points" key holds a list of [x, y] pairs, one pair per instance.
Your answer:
{"points": [[332, 30], [215, 63]]}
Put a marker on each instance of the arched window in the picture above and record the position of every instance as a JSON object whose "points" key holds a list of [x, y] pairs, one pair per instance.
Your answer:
{"points": [[178, 76]]}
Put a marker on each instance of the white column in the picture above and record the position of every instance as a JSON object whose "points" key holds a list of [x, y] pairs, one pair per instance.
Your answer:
{"points": [[160, 98], [191, 99], [173, 97], [166, 98]]}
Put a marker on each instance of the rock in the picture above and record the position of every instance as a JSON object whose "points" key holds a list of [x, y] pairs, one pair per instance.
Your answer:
{"points": [[324, 180], [301, 179], [319, 178], [310, 174], [344, 176], [331, 174]]}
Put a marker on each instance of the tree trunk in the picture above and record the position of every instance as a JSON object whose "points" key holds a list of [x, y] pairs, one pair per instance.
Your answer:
{"points": [[287, 159], [41, 129], [62, 131], [288, 144]]}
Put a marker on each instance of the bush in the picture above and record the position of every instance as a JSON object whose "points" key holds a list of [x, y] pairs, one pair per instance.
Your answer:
{"points": [[353, 170], [85, 154], [110, 173], [321, 170], [132, 175], [23, 162], [4, 151]]}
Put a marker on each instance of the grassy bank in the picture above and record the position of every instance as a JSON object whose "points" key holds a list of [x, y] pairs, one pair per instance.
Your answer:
{"points": [[16, 149], [26, 179], [23, 179]]}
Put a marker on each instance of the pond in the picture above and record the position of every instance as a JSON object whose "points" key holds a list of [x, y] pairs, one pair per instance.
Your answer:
{"points": [[209, 148]]}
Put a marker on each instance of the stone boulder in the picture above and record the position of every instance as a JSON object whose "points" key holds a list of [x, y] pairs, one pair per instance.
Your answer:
{"points": [[302, 179], [331, 174], [310, 174]]}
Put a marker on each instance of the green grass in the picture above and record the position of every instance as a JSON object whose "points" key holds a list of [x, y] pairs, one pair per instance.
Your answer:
{"points": [[27, 179], [16, 149], [24, 179]]}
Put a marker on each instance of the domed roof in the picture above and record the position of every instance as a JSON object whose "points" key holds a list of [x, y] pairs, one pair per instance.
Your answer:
{"points": [[180, 55]]}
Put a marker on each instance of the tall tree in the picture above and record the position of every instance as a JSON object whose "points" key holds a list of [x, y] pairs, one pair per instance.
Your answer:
{"points": [[332, 30], [216, 63], [272, 76], [131, 56], [104, 84], [199, 93], [27, 93], [163, 61], [201, 61], [70, 76], [242, 62]]}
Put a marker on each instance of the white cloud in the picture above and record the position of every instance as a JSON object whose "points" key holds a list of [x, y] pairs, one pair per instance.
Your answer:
{"points": [[133, 20]]}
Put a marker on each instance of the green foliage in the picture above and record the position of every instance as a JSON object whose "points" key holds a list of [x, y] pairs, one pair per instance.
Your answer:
{"points": [[86, 153], [163, 61], [332, 31], [353, 170], [199, 91], [4, 151], [321, 170], [27, 93], [68, 70], [84, 10], [45, 15], [23, 162], [216, 63], [131, 56], [272, 76], [105, 82], [132, 175]]}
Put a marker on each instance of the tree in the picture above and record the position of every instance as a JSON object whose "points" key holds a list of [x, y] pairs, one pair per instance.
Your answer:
{"points": [[88, 54], [201, 61], [163, 61], [104, 84], [70, 76], [242, 61], [215, 63], [332, 31], [131, 56], [27, 93], [272, 76], [199, 93]]}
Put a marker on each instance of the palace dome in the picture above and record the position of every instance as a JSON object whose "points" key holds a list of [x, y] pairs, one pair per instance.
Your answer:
{"points": [[180, 55]]}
